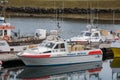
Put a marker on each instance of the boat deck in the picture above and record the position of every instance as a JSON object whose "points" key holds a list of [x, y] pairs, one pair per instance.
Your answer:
{"points": [[8, 57]]}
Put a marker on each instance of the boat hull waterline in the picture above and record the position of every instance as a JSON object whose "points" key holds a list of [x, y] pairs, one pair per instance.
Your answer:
{"points": [[56, 59]]}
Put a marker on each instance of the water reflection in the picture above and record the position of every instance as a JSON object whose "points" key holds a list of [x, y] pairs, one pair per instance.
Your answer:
{"points": [[84, 71], [106, 70], [115, 66], [10, 74]]}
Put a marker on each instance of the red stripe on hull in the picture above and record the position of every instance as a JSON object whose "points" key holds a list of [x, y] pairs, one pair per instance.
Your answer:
{"points": [[6, 27], [95, 52], [95, 70], [41, 78], [37, 56]]}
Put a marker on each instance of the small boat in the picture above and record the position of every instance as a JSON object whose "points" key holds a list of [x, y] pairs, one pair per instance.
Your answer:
{"points": [[61, 72], [16, 42], [93, 34], [115, 46], [9, 42], [59, 52]]}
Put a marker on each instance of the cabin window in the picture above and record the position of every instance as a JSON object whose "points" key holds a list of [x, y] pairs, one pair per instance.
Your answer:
{"points": [[47, 44], [87, 34], [47, 52], [5, 32], [58, 46], [1, 32], [62, 45], [95, 35]]}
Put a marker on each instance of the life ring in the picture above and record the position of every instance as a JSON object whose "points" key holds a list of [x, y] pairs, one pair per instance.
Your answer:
{"points": [[7, 38]]}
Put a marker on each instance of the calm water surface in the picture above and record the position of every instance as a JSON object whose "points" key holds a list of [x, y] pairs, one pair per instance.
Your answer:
{"points": [[70, 28], [86, 71]]}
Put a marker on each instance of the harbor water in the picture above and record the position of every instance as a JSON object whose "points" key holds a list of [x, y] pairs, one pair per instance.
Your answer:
{"points": [[69, 28], [83, 71]]}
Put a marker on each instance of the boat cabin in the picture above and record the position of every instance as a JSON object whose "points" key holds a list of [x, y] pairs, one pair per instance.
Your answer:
{"points": [[54, 46], [91, 34], [5, 30], [57, 46]]}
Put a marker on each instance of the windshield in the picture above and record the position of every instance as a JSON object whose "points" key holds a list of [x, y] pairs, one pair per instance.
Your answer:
{"points": [[88, 34], [47, 44], [32, 51]]}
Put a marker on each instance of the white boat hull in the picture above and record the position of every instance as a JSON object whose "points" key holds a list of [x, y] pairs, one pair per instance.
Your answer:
{"points": [[46, 56], [60, 60]]}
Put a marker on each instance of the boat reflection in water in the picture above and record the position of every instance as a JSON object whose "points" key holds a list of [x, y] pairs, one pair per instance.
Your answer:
{"points": [[83, 71], [10, 73], [115, 65]]}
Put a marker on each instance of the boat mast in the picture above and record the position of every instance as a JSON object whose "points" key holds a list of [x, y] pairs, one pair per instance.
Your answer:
{"points": [[97, 14], [113, 18], [58, 19]]}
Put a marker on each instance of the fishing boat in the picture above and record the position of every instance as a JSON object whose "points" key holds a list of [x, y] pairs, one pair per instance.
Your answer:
{"points": [[94, 34], [16, 42], [59, 52], [9, 42], [62, 72]]}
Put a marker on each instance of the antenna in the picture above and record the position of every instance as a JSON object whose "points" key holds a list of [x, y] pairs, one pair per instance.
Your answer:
{"points": [[87, 13], [58, 17]]}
